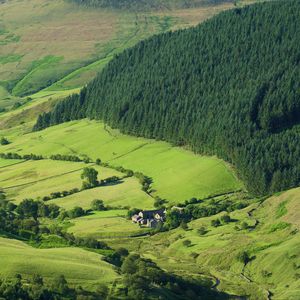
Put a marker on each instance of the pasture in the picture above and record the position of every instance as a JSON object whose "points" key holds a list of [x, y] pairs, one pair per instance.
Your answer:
{"points": [[177, 174], [126, 193], [106, 224], [79, 266], [36, 179]]}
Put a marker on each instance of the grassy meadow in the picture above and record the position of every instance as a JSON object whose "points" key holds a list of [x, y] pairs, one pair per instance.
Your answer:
{"points": [[79, 266], [36, 179], [126, 193], [106, 224], [177, 174]]}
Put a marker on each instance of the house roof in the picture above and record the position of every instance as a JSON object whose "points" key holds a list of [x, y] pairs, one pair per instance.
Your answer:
{"points": [[147, 214]]}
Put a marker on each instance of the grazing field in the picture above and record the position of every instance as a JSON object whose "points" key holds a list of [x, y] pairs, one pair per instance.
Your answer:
{"points": [[106, 224], [126, 193], [79, 266], [34, 179], [177, 174], [5, 163]]}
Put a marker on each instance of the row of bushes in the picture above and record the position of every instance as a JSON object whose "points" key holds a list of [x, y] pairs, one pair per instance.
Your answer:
{"points": [[11, 155]]}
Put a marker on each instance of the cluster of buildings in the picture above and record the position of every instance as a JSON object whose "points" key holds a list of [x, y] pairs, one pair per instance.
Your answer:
{"points": [[150, 218]]}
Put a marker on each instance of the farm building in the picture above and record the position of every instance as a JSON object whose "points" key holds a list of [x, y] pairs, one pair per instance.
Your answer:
{"points": [[149, 218]]}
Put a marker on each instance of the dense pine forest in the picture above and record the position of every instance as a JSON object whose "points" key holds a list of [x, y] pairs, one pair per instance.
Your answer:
{"points": [[228, 87], [148, 4]]}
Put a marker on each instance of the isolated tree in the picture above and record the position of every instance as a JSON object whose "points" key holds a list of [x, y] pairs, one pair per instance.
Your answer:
{"points": [[90, 176], [97, 205], [98, 161]]}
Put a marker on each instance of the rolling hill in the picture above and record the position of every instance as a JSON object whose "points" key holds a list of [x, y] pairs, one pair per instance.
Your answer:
{"points": [[61, 45], [201, 122], [227, 87]]}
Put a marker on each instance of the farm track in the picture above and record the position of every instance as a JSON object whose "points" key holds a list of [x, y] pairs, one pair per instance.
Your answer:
{"points": [[45, 179], [129, 152], [17, 163]]}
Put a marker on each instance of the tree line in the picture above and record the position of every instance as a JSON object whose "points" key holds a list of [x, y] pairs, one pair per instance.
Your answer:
{"points": [[228, 87]]}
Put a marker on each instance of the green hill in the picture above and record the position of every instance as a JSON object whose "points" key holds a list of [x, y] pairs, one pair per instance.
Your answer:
{"points": [[61, 45], [227, 87], [79, 266], [177, 174]]}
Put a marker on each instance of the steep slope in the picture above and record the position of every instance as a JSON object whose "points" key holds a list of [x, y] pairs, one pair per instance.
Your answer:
{"points": [[227, 87]]}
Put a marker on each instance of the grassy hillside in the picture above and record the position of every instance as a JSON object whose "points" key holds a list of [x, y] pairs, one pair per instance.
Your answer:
{"points": [[79, 266], [43, 45], [177, 174], [112, 224], [127, 193], [41, 178], [271, 240], [191, 90], [44, 49]]}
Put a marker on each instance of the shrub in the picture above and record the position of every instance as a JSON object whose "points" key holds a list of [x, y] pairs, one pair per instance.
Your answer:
{"points": [[98, 205], [226, 219], [243, 257], [202, 230], [187, 243], [215, 223], [4, 141]]}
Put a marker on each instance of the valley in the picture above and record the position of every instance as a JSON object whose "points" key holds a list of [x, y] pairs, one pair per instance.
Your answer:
{"points": [[96, 129]]}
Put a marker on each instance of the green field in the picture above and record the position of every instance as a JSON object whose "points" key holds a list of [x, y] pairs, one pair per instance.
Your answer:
{"points": [[177, 174], [127, 193], [108, 224], [34, 179], [79, 266]]}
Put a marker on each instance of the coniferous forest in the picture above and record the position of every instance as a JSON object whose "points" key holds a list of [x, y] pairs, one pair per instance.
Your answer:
{"points": [[229, 87]]}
